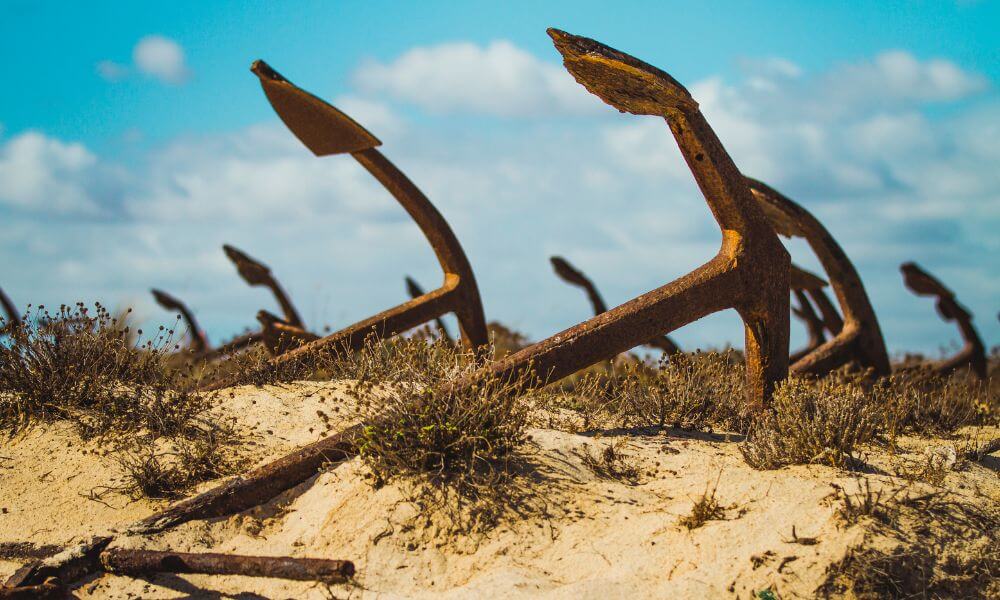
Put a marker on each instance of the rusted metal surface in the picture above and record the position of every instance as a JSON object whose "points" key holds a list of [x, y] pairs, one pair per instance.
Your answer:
{"points": [[125, 561], [280, 336], [257, 273], [803, 282], [749, 274], [69, 565], [973, 352], [12, 318], [50, 589], [257, 486], [860, 338], [415, 291], [325, 131], [199, 343], [814, 326], [574, 276]]}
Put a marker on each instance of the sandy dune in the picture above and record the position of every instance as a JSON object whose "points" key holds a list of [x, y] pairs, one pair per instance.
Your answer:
{"points": [[580, 536]]}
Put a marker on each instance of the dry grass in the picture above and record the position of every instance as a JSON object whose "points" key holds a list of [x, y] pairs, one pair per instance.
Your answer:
{"points": [[613, 463], [918, 401], [923, 546], [813, 421], [89, 370], [457, 450], [706, 508], [702, 390]]}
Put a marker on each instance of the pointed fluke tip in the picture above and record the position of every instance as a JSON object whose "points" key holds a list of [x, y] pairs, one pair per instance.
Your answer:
{"points": [[567, 272], [164, 299], [619, 79], [264, 71]]}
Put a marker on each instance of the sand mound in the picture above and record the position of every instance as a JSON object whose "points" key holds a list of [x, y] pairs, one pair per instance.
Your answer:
{"points": [[579, 535]]}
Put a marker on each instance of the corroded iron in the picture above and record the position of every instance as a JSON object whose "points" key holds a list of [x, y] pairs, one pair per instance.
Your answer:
{"points": [[973, 352], [257, 273], [199, 343], [860, 338], [325, 131], [52, 589], [574, 276], [280, 336], [415, 291], [749, 274], [126, 561], [13, 318], [802, 283]]}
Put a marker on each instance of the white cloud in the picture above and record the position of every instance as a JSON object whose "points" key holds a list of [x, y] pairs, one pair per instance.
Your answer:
{"points": [[609, 192], [498, 79], [162, 58], [109, 70], [49, 176]]}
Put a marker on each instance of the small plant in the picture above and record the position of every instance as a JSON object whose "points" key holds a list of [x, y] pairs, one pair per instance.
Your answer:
{"points": [[454, 445], [919, 401], [706, 508], [612, 463], [813, 421], [866, 502]]}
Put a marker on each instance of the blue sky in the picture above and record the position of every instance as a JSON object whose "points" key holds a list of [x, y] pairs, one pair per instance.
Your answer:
{"points": [[134, 142]]}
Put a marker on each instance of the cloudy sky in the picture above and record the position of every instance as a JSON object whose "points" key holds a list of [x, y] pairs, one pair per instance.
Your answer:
{"points": [[134, 142]]}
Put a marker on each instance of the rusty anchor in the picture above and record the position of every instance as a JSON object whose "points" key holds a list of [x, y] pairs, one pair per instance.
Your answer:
{"points": [[574, 276], [750, 273], [279, 336], [859, 339], [973, 352], [256, 273], [804, 283], [199, 343], [325, 131]]}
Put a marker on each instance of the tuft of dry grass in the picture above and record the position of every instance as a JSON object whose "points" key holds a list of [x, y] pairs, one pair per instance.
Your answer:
{"points": [[459, 449], [813, 421], [702, 390], [706, 508], [612, 463]]}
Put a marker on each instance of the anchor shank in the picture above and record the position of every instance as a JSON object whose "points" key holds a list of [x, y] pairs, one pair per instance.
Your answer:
{"points": [[697, 294]]}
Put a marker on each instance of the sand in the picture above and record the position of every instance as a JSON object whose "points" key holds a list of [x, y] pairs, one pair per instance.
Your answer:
{"points": [[580, 536]]}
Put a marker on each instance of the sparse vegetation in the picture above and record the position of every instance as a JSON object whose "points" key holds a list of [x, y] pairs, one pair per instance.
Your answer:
{"points": [[88, 369], [458, 449], [922, 546], [813, 421]]}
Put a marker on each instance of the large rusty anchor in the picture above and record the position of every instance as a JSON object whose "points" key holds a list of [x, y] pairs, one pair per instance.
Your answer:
{"points": [[973, 352], [574, 276], [325, 131], [860, 337], [199, 343], [750, 273]]}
